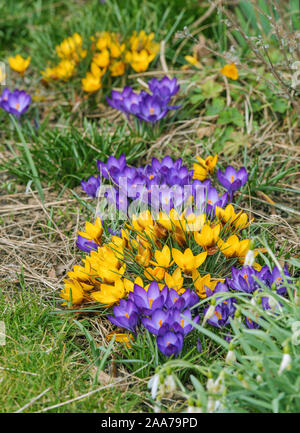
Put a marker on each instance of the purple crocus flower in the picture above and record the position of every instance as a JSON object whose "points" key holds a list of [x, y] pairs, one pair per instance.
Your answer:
{"points": [[223, 310], [242, 279], [86, 244], [151, 109], [250, 324], [125, 315], [144, 106], [158, 323], [113, 168], [276, 277], [174, 300], [150, 300], [117, 98], [165, 88], [207, 198], [190, 298], [16, 102], [170, 343], [91, 185], [232, 180], [179, 322]]}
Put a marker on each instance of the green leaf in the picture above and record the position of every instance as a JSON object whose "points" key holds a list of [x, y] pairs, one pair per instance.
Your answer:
{"points": [[211, 89], [197, 98], [280, 105], [231, 115], [216, 107], [236, 141]]}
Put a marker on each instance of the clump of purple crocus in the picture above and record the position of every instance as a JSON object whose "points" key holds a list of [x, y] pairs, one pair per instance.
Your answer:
{"points": [[145, 106], [161, 185], [248, 280], [16, 102], [164, 313]]}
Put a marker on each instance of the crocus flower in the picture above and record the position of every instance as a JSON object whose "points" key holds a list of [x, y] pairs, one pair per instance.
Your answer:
{"points": [[203, 167], [146, 107], [232, 180], [170, 343], [151, 109], [276, 277], [242, 279], [150, 300], [230, 71], [19, 64], [91, 185], [187, 261], [174, 300], [113, 168], [179, 322], [224, 310], [165, 88], [16, 102], [125, 315], [158, 323], [86, 244], [117, 98]]}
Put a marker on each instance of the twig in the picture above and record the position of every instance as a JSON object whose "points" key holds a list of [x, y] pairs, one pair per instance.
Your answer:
{"points": [[33, 400]]}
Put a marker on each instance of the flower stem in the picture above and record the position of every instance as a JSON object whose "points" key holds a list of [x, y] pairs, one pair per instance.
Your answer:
{"points": [[29, 159]]}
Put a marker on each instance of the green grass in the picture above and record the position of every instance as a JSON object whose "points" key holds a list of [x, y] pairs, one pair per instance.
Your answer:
{"points": [[46, 352]]}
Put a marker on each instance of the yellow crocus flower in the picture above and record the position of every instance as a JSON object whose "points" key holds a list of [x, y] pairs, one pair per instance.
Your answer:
{"points": [[204, 167], [91, 83], [121, 338], [93, 231], [108, 294], [195, 222], [117, 69], [102, 59], [163, 258], [208, 236], [19, 64], [73, 292], [230, 71], [175, 281], [187, 261], [156, 273], [103, 41], [201, 282], [228, 217], [139, 61], [233, 247]]}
